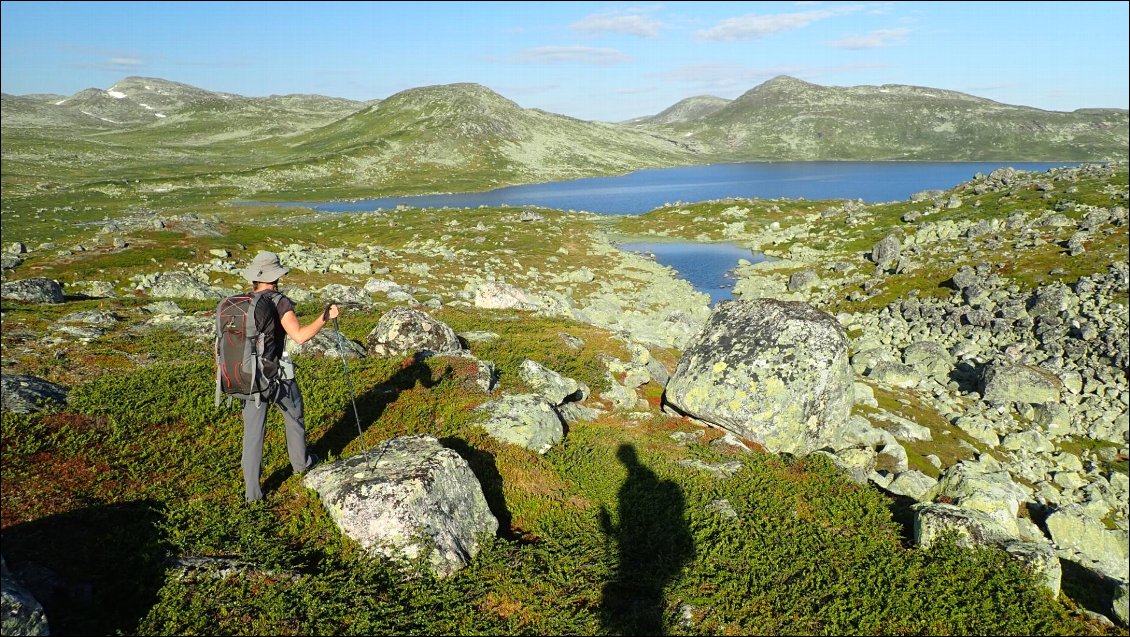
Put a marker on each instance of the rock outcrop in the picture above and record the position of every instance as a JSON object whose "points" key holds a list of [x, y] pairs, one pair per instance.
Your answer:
{"points": [[38, 290], [26, 394], [20, 613], [776, 372], [406, 499], [409, 331]]}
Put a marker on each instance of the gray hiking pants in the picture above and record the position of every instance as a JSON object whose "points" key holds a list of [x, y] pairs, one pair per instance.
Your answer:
{"points": [[289, 401]]}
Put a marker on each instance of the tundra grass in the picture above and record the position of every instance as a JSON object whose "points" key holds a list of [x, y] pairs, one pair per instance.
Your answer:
{"points": [[604, 534]]}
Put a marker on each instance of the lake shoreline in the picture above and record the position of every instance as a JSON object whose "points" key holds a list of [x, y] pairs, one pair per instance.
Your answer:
{"points": [[645, 190]]}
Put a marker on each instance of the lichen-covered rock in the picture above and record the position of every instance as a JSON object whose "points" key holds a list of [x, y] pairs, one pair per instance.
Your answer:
{"points": [[1072, 529], [912, 483], [472, 373], [547, 383], [1121, 604], [26, 394], [182, 285], [502, 296], [775, 372], [526, 420], [894, 374], [802, 280], [991, 492], [409, 331], [329, 343], [21, 613], [351, 294], [929, 358], [408, 497], [1003, 383], [886, 252], [1041, 560], [38, 290], [973, 528]]}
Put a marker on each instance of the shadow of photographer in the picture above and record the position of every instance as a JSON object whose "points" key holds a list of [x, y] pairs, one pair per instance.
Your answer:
{"points": [[654, 542]]}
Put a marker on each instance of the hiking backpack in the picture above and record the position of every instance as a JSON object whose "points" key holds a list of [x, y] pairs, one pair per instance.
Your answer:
{"points": [[245, 335]]}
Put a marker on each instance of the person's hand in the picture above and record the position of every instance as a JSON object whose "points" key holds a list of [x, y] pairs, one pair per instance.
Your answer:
{"points": [[331, 312]]}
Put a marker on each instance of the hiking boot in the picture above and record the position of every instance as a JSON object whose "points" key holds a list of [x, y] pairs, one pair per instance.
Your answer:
{"points": [[311, 460]]}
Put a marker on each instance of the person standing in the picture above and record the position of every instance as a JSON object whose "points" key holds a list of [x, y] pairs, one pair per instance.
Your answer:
{"points": [[264, 274]]}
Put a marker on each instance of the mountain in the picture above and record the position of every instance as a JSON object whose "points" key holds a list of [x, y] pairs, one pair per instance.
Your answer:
{"points": [[467, 137], [688, 110], [177, 113], [788, 119], [148, 127], [452, 136]]}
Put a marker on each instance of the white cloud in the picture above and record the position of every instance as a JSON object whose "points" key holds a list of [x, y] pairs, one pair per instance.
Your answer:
{"points": [[631, 22], [880, 39], [753, 26], [125, 62], [581, 54]]}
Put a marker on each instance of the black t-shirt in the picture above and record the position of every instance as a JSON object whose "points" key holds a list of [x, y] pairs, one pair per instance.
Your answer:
{"points": [[275, 339]]}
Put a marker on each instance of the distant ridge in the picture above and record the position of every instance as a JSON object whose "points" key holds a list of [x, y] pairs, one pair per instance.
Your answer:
{"points": [[789, 119], [688, 110], [465, 136]]}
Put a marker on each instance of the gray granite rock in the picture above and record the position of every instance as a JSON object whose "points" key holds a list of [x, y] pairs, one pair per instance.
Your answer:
{"points": [[772, 371], [407, 498]]}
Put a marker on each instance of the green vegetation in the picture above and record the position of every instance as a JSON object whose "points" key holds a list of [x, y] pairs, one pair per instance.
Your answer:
{"points": [[141, 469], [604, 534], [108, 502]]}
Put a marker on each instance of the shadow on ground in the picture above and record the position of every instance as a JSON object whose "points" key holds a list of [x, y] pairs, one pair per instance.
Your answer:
{"points": [[97, 570]]}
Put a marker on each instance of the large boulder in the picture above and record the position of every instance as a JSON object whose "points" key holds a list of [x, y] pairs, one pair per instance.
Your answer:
{"points": [[994, 493], [1003, 383], [776, 372], [1076, 532], [526, 420], [496, 295], [408, 331], [38, 290], [182, 285], [25, 394], [21, 613], [547, 383], [409, 497]]}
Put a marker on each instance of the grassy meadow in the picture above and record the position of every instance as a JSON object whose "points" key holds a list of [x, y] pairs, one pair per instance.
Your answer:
{"points": [[106, 500]]}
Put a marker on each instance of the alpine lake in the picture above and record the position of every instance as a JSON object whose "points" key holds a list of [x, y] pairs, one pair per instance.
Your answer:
{"points": [[707, 266]]}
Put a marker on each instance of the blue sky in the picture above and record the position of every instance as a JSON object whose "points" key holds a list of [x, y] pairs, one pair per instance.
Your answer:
{"points": [[606, 61]]}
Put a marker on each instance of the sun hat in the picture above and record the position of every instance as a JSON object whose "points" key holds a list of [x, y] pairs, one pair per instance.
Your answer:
{"points": [[265, 268]]}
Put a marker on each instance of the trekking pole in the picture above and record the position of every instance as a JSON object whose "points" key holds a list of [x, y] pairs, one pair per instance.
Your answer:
{"points": [[349, 384]]}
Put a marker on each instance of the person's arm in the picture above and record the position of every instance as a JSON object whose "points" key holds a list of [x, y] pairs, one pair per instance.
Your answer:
{"points": [[299, 333]]}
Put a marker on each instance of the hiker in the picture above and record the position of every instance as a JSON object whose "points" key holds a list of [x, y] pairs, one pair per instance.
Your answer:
{"points": [[264, 274]]}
